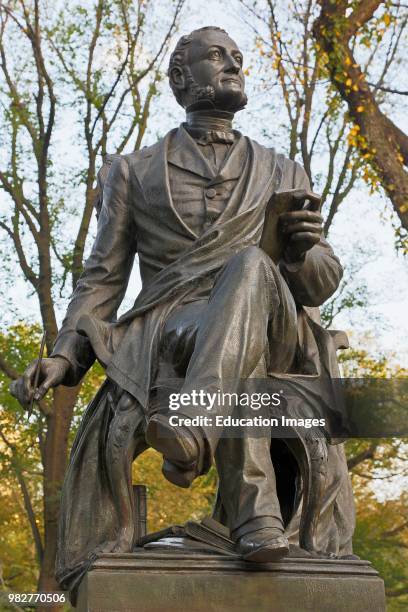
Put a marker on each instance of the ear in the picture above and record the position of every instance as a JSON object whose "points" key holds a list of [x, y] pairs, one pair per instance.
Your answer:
{"points": [[177, 78]]}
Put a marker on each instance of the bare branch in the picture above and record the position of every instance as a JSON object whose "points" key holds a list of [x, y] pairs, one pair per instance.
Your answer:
{"points": [[392, 532], [165, 41], [364, 455], [111, 92], [339, 195], [318, 129], [388, 89], [15, 236]]}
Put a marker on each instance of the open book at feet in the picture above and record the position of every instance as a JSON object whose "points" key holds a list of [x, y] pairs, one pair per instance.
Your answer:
{"points": [[274, 240], [208, 532]]}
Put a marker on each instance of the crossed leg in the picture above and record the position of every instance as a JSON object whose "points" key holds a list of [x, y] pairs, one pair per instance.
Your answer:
{"points": [[250, 313]]}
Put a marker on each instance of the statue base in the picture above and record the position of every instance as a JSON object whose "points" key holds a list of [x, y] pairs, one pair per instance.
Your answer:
{"points": [[149, 581]]}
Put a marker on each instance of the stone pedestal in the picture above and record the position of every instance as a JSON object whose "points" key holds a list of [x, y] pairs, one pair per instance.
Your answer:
{"points": [[171, 582]]}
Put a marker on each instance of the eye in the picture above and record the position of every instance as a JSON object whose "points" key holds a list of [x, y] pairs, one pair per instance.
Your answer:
{"points": [[214, 54], [238, 58]]}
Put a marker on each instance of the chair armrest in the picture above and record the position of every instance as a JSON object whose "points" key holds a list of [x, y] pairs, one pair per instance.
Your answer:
{"points": [[340, 339]]}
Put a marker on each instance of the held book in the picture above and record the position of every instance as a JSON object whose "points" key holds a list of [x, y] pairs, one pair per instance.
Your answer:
{"points": [[273, 240]]}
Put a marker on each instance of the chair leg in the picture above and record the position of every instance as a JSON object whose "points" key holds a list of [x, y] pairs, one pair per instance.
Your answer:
{"points": [[311, 455]]}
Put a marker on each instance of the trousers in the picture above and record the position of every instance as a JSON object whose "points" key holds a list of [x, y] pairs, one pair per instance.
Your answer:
{"points": [[246, 327]]}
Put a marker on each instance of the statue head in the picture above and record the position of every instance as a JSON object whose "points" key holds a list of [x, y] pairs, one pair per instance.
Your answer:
{"points": [[205, 71]]}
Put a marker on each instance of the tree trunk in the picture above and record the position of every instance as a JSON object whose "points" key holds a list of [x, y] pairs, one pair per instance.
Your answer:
{"points": [[380, 141], [55, 461]]}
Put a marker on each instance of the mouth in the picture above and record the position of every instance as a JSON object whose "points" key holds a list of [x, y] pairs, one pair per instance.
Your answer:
{"points": [[231, 80]]}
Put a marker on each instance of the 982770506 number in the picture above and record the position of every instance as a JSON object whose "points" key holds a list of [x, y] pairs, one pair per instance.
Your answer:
{"points": [[37, 598]]}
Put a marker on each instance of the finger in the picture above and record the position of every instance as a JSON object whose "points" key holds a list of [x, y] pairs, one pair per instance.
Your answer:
{"points": [[18, 390], [301, 215], [41, 391], [297, 194], [313, 198], [45, 386], [314, 228], [305, 237], [300, 194], [28, 377], [304, 199], [24, 387]]}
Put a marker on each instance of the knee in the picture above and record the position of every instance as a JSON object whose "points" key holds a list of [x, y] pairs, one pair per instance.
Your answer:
{"points": [[252, 261]]}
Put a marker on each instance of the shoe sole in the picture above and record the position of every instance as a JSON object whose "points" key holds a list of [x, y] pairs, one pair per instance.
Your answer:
{"points": [[177, 476], [165, 440], [267, 554]]}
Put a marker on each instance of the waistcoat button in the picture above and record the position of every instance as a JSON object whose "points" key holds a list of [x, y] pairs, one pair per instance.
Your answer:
{"points": [[211, 193]]}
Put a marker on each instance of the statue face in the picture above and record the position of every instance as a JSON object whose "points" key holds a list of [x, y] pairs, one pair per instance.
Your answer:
{"points": [[215, 60]]}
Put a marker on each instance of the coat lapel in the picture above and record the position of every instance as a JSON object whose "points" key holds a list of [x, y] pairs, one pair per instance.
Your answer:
{"points": [[186, 154], [233, 164], [152, 172]]}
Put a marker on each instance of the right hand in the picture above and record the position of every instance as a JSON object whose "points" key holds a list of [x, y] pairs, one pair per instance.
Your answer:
{"points": [[52, 372]]}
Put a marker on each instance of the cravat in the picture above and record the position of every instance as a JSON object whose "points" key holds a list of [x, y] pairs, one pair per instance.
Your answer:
{"points": [[204, 137]]}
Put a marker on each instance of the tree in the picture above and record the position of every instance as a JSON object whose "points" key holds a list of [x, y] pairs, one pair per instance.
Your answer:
{"points": [[340, 30], [294, 77], [296, 74], [382, 536], [108, 55]]}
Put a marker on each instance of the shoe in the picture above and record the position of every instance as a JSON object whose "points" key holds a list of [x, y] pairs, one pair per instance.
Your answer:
{"points": [[179, 474], [263, 546], [181, 450], [177, 444]]}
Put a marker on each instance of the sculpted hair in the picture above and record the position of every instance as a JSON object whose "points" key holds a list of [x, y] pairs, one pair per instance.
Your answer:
{"points": [[178, 59]]}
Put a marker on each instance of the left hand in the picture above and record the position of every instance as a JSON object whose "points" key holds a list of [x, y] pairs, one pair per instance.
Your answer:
{"points": [[303, 229]]}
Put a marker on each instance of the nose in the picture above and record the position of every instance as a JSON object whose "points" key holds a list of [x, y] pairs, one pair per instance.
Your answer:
{"points": [[232, 65]]}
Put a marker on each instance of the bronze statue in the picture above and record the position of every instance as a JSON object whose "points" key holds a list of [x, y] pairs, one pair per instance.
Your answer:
{"points": [[213, 308]]}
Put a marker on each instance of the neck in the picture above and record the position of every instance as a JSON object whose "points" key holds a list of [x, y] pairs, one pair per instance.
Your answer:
{"points": [[210, 119]]}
